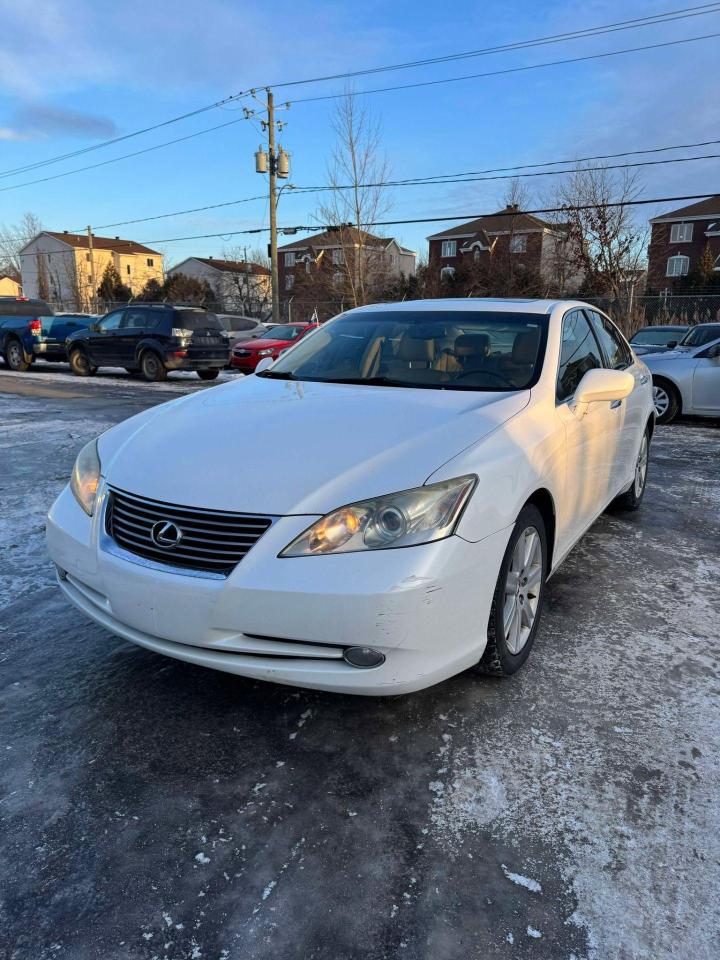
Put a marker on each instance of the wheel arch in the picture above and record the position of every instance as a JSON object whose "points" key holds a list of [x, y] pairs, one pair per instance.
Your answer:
{"points": [[661, 378], [543, 501], [149, 344]]}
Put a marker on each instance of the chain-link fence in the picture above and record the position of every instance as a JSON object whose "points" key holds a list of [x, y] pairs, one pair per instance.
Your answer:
{"points": [[631, 313]]}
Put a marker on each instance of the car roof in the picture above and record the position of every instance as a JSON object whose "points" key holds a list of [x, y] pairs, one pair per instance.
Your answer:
{"points": [[665, 326], [475, 305]]}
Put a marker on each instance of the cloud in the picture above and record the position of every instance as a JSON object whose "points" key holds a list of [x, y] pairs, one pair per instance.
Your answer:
{"points": [[7, 133], [38, 120]]}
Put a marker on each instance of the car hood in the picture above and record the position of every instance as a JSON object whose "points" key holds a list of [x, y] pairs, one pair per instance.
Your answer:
{"points": [[279, 447], [261, 344]]}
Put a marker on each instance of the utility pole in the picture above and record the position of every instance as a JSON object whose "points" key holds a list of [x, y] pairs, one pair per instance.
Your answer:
{"points": [[93, 285], [276, 164]]}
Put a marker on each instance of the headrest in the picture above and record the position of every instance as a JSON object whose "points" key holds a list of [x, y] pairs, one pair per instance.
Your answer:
{"points": [[525, 347], [411, 349], [472, 345]]}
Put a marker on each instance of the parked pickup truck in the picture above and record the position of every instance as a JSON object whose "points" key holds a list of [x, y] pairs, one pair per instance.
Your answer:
{"points": [[30, 330]]}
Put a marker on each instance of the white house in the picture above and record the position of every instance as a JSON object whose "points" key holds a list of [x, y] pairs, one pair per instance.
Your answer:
{"points": [[240, 286]]}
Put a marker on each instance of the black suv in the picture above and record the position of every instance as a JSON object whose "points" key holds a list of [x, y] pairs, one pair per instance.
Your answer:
{"points": [[151, 339]]}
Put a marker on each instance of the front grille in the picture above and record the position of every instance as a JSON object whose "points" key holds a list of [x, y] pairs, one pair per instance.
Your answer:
{"points": [[242, 353], [211, 540]]}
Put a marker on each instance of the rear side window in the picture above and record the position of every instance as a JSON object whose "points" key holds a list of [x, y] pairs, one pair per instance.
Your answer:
{"points": [[196, 320], [616, 350], [25, 308], [579, 352]]}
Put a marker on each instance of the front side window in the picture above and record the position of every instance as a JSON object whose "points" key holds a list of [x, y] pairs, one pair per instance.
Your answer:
{"points": [[443, 350], [579, 352], [681, 233], [518, 243], [700, 335], [616, 351], [678, 266], [449, 248], [111, 322], [290, 259]]}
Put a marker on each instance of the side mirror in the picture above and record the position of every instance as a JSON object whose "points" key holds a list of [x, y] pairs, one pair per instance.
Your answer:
{"points": [[264, 364], [671, 344], [94, 327], [598, 385]]}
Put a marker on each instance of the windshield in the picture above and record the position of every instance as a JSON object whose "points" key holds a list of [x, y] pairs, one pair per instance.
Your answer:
{"points": [[456, 350], [284, 331], [700, 335], [658, 336], [197, 320]]}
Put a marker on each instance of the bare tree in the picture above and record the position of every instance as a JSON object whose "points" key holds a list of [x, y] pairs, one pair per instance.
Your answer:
{"points": [[604, 244], [13, 238], [358, 196]]}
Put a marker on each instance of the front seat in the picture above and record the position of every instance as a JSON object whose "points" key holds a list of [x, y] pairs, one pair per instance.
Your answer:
{"points": [[468, 353], [411, 354], [519, 365]]}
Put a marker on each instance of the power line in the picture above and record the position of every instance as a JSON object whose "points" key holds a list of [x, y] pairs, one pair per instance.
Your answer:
{"points": [[588, 32], [472, 176], [334, 96], [566, 208], [497, 73], [125, 156], [621, 25]]}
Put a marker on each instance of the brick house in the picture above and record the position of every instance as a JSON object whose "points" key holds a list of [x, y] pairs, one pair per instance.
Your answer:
{"points": [[320, 266], [514, 240], [678, 239]]}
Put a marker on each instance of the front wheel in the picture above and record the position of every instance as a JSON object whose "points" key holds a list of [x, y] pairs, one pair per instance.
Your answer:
{"points": [[665, 400], [80, 364], [208, 374], [151, 367], [519, 595], [15, 356], [632, 498]]}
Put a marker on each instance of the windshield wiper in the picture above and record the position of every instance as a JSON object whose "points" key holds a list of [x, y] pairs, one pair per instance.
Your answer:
{"points": [[277, 375]]}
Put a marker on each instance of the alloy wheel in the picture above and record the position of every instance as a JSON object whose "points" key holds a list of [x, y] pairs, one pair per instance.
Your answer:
{"points": [[522, 590], [661, 400], [14, 355], [641, 466]]}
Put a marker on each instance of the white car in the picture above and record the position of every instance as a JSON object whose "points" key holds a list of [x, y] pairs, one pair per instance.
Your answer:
{"points": [[373, 512]]}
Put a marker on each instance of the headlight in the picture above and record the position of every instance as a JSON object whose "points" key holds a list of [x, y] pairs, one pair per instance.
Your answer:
{"points": [[264, 353], [86, 477], [397, 520]]}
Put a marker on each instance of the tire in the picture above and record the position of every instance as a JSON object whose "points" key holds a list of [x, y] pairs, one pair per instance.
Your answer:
{"points": [[208, 374], [507, 647], [80, 364], [632, 498], [152, 368], [666, 400], [15, 356]]}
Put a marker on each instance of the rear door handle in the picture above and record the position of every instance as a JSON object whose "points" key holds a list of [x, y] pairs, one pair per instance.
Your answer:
{"points": [[615, 404]]}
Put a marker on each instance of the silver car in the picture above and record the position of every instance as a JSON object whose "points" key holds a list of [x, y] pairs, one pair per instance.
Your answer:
{"points": [[687, 378]]}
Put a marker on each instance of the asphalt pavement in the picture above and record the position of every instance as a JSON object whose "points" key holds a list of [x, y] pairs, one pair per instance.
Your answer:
{"points": [[153, 809]]}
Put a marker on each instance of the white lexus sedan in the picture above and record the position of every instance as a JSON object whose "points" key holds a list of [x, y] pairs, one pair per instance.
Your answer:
{"points": [[374, 512]]}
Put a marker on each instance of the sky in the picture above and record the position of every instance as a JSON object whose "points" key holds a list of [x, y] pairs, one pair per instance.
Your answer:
{"points": [[74, 73]]}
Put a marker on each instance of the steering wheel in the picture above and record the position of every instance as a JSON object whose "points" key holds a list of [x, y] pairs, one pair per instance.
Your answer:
{"points": [[489, 373]]}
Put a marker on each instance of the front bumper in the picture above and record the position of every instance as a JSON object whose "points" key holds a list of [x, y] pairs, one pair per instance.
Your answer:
{"points": [[246, 364], [424, 608]]}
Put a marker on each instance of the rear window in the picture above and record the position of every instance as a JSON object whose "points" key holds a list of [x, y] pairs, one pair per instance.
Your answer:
{"points": [[25, 308], [196, 320]]}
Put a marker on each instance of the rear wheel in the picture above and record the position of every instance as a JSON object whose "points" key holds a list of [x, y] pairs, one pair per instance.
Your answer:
{"points": [[208, 374], [80, 364], [152, 367], [15, 356], [519, 595], [666, 400]]}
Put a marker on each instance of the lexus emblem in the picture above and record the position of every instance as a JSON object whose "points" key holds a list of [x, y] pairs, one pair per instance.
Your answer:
{"points": [[165, 534]]}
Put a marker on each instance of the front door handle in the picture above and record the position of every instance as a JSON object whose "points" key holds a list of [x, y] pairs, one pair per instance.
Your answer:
{"points": [[643, 379], [615, 404]]}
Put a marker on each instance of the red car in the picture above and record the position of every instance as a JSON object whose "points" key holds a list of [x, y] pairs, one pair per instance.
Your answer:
{"points": [[247, 354]]}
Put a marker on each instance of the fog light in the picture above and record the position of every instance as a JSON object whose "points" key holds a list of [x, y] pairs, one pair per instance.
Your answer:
{"points": [[363, 657]]}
